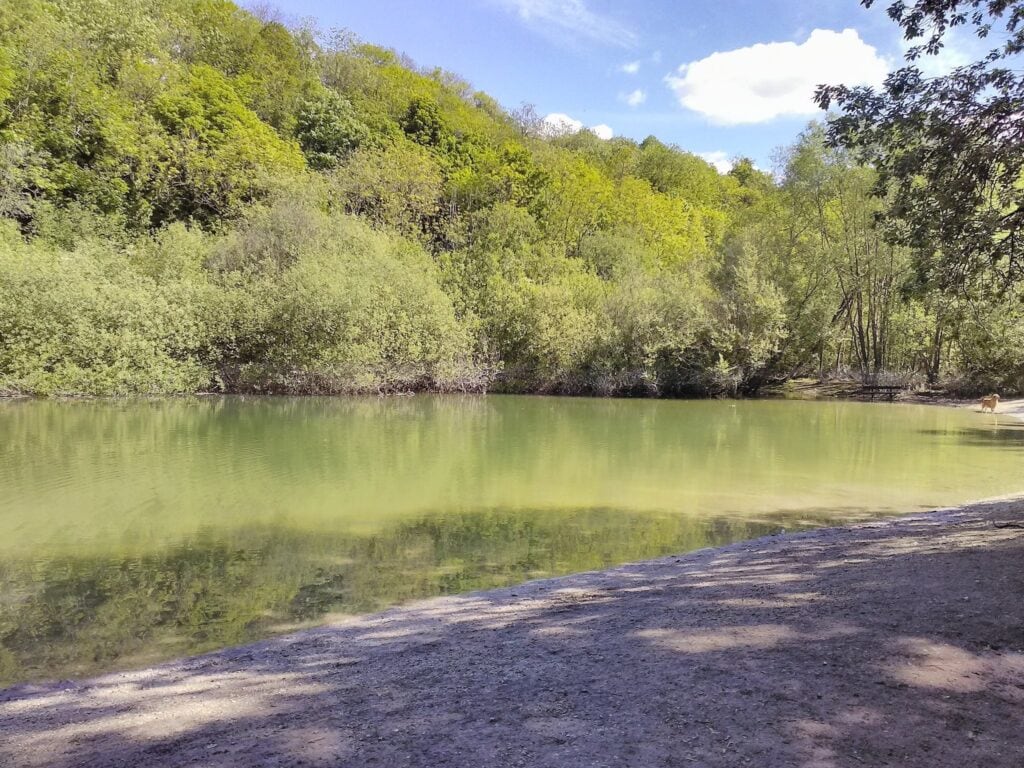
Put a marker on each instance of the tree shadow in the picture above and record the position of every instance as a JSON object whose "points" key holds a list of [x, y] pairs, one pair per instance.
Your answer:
{"points": [[1001, 435], [891, 643]]}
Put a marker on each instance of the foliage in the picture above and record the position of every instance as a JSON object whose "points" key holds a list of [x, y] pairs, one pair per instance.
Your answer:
{"points": [[948, 147], [397, 186], [341, 309], [221, 201], [328, 129], [222, 154], [85, 321]]}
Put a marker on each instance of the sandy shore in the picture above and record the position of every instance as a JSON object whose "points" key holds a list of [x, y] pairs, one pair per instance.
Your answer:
{"points": [[1013, 409], [898, 642]]}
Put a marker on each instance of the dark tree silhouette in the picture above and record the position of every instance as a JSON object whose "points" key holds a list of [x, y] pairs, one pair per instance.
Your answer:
{"points": [[948, 149]]}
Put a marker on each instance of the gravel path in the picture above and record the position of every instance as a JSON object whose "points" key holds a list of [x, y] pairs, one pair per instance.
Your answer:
{"points": [[893, 643]]}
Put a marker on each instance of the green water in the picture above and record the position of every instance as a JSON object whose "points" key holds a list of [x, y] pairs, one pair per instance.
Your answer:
{"points": [[137, 531]]}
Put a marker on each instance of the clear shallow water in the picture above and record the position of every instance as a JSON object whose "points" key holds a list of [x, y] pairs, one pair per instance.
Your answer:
{"points": [[138, 531]]}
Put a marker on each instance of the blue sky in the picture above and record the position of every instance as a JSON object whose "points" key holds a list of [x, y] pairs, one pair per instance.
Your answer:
{"points": [[723, 79]]}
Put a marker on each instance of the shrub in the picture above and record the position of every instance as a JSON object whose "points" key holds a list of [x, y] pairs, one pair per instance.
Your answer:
{"points": [[350, 309], [85, 321]]}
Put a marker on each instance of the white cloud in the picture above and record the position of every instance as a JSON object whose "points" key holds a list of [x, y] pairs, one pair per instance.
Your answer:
{"points": [[560, 124], [630, 67], [571, 20], [770, 80], [635, 98], [721, 160]]}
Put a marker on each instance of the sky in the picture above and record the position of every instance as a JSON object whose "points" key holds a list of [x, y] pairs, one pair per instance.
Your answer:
{"points": [[723, 79]]}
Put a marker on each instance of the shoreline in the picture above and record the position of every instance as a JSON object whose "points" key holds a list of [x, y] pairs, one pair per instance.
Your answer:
{"points": [[726, 619], [816, 391]]}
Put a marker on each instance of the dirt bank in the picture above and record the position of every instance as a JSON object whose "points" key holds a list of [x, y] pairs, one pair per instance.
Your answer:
{"points": [[893, 643]]}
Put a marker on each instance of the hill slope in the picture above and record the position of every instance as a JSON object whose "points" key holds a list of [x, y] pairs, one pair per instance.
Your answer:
{"points": [[193, 197]]}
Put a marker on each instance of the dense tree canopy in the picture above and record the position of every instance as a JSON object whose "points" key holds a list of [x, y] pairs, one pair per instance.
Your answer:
{"points": [[229, 204]]}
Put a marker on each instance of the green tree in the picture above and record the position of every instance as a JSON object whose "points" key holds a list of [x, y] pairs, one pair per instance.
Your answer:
{"points": [[328, 130], [397, 186], [947, 148], [220, 156]]}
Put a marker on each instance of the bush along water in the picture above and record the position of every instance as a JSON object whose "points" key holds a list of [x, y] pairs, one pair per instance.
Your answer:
{"points": [[215, 202]]}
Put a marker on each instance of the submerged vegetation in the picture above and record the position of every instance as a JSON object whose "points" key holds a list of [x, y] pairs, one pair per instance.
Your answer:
{"points": [[94, 614], [196, 197]]}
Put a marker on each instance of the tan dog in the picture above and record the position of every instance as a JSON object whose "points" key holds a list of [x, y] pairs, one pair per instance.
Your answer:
{"points": [[990, 402]]}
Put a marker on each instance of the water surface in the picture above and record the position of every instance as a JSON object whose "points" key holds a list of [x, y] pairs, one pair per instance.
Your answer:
{"points": [[141, 530]]}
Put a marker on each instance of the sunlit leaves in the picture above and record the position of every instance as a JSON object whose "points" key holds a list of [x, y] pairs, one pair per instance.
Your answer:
{"points": [[328, 129], [220, 154], [948, 149]]}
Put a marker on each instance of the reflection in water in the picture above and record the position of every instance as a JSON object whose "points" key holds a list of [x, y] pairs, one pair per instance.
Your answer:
{"points": [[142, 530], [91, 613], [1008, 435]]}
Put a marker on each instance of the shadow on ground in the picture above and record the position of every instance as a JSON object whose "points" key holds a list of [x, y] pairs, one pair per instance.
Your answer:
{"points": [[896, 643]]}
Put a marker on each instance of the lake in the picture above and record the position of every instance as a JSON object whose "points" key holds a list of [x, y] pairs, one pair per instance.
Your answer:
{"points": [[136, 531]]}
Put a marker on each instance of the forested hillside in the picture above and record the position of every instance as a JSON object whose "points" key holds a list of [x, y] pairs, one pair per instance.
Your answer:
{"points": [[194, 197]]}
